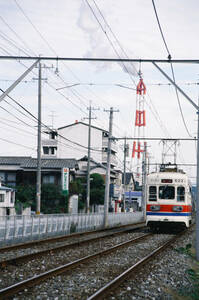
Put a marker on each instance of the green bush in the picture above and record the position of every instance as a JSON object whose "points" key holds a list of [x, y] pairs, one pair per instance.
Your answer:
{"points": [[52, 198]]}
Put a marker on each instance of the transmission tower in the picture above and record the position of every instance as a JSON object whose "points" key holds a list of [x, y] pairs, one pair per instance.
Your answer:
{"points": [[140, 123]]}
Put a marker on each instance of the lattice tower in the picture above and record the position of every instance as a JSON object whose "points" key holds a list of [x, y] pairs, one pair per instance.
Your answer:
{"points": [[140, 124]]}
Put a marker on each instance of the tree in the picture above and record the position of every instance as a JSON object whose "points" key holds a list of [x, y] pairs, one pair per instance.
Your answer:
{"points": [[25, 195], [52, 199], [96, 189]]}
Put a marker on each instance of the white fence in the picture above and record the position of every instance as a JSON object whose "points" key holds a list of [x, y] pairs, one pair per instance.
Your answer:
{"points": [[22, 228]]}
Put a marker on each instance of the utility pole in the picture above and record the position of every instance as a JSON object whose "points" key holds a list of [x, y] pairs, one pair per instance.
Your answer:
{"points": [[144, 168], [197, 181], [106, 196], [89, 158], [38, 184], [197, 196], [125, 155], [38, 189]]}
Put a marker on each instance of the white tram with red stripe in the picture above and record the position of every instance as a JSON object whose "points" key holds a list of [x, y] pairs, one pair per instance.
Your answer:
{"points": [[169, 199]]}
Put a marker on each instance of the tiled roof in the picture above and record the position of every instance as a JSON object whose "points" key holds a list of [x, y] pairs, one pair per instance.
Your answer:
{"points": [[4, 188], [13, 160], [51, 163], [31, 163], [76, 123]]}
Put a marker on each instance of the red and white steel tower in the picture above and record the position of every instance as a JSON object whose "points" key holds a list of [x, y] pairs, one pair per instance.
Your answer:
{"points": [[140, 123]]}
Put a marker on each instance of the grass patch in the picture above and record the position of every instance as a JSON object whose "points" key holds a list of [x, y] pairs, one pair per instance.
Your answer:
{"points": [[192, 275]]}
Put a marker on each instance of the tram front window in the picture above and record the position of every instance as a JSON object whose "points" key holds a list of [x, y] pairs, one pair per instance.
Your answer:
{"points": [[152, 193], [166, 192], [180, 193]]}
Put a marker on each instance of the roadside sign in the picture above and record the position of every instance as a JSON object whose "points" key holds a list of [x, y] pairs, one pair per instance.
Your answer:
{"points": [[65, 180]]}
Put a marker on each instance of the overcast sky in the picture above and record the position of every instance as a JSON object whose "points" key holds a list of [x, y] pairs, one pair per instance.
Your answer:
{"points": [[80, 28]]}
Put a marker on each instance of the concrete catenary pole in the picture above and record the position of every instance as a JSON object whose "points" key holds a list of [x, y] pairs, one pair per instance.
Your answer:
{"points": [[197, 196], [144, 175], [38, 188], [89, 158], [107, 185], [88, 165], [197, 180], [124, 182]]}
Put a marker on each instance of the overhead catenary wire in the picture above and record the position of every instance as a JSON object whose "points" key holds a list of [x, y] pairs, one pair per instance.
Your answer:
{"points": [[41, 36], [17, 144], [105, 32], [45, 125], [172, 70]]}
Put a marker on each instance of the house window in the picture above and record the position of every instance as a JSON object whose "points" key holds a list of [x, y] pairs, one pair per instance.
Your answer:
{"points": [[49, 179], [2, 197], [2, 176], [12, 197], [53, 135], [11, 177], [53, 150], [46, 150]]}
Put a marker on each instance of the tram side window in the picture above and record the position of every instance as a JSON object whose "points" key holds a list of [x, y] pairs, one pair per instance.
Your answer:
{"points": [[166, 192], [180, 193], [152, 193]]}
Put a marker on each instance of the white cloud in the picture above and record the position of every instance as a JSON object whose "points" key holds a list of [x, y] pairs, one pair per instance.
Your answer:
{"points": [[72, 31]]}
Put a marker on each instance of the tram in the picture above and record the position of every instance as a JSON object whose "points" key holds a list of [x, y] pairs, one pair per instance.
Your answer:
{"points": [[168, 199]]}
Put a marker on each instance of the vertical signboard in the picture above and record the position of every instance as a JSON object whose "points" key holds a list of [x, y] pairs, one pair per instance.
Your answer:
{"points": [[65, 180]]}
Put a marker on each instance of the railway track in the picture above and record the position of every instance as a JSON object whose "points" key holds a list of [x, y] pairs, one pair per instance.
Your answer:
{"points": [[92, 261], [68, 237], [37, 252], [118, 280]]}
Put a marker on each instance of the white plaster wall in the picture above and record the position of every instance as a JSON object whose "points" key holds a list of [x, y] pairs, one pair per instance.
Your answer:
{"points": [[2, 211], [7, 199], [5, 203], [79, 134]]}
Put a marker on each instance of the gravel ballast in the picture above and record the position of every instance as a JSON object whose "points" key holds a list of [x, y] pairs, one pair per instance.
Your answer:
{"points": [[161, 279]]}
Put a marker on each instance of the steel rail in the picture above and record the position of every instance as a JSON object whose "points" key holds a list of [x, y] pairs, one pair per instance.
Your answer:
{"points": [[64, 237], [13, 289], [28, 257], [105, 290]]}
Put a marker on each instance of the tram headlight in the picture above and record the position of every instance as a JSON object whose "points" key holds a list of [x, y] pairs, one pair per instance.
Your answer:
{"points": [[155, 207], [177, 208]]}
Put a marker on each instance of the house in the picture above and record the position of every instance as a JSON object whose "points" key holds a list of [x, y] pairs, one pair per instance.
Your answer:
{"points": [[17, 170], [7, 201], [72, 141], [129, 182], [95, 167]]}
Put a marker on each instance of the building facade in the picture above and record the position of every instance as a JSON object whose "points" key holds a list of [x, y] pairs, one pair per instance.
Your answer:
{"points": [[23, 170], [7, 201], [71, 141]]}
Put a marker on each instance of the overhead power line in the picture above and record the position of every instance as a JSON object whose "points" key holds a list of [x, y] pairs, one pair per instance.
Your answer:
{"points": [[172, 70], [47, 127], [10, 142]]}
